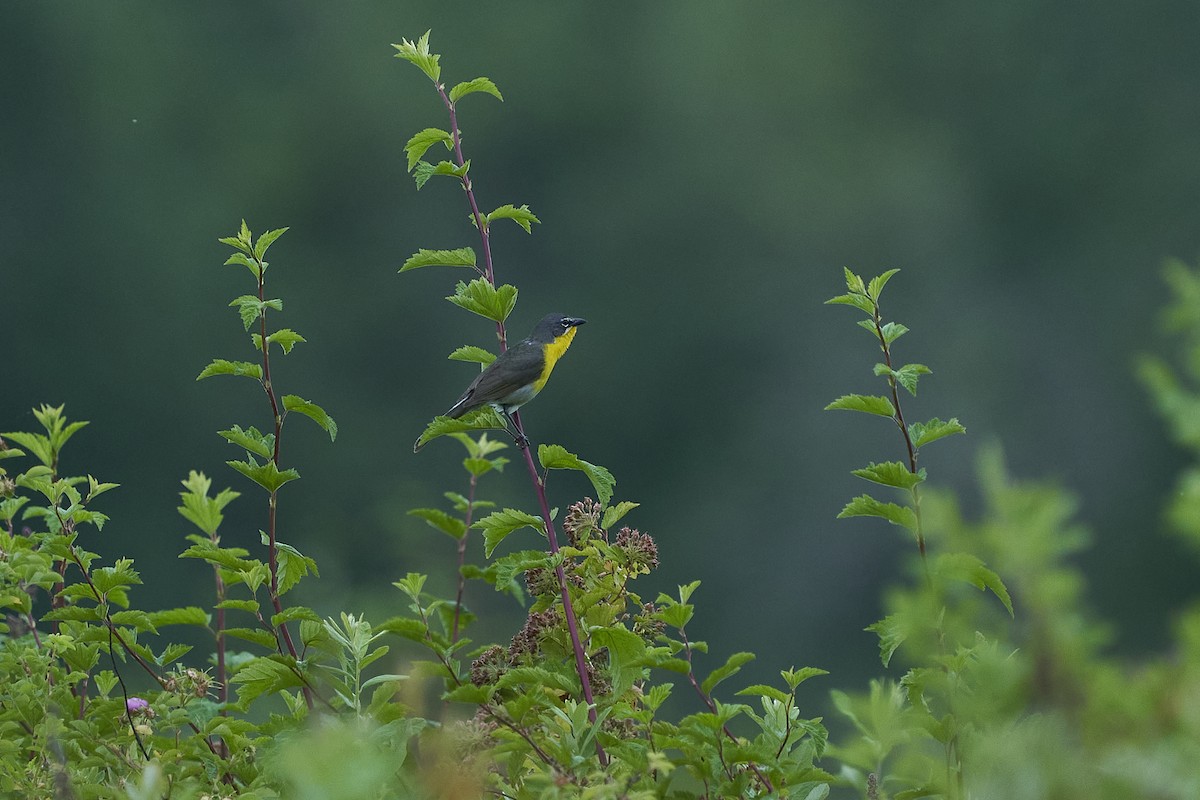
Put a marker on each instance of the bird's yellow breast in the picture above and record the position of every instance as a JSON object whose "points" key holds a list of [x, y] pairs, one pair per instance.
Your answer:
{"points": [[552, 353]]}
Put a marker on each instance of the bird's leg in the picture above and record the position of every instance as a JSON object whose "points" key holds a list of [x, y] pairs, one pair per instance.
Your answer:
{"points": [[521, 440]]}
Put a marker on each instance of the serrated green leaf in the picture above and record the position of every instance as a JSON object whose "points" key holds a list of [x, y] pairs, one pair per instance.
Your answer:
{"points": [[418, 53], [795, 677], [522, 216], [250, 308], [485, 418], [686, 591], [613, 514], [120, 575], [8, 511], [861, 302], [657, 695], [869, 404], [255, 635], [246, 261], [470, 693], [509, 570], [422, 141], [95, 488], [35, 443], [423, 170], [261, 445], [922, 433], [969, 569], [220, 366], [407, 627], [893, 331], [553, 456], [762, 690], [853, 282], [237, 244], [313, 411], [480, 84], [172, 652], [890, 473], [482, 466], [11, 452], [867, 506], [868, 325], [297, 613], [292, 566], [286, 338], [540, 677], [732, 665], [265, 475], [441, 521], [875, 287], [891, 635], [625, 651], [477, 448], [676, 615], [73, 614], [251, 606], [674, 665], [907, 376], [462, 257], [191, 615], [264, 676], [266, 240], [480, 297], [231, 558], [499, 524], [473, 354]]}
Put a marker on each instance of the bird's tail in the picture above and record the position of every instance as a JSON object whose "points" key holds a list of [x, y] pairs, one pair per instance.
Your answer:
{"points": [[457, 410]]}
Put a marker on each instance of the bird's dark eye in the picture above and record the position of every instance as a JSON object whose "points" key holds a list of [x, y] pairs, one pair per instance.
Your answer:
{"points": [[565, 322]]}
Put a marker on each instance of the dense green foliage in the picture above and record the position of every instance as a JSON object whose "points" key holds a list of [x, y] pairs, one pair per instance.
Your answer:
{"points": [[995, 683]]}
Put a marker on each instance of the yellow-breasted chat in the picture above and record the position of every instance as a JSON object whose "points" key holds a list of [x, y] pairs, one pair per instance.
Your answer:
{"points": [[519, 373]]}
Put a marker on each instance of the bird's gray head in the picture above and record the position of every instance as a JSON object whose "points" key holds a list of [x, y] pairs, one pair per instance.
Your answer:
{"points": [[553, 326]]}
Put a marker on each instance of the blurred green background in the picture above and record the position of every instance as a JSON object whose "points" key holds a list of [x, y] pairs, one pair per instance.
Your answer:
{"points": [[702, 172]]}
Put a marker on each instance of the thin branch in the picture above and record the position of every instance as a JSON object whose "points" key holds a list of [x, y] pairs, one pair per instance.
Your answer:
{"points": [[481, 223], [538, 484], [569, 612], [877, 318], [272, 546]]}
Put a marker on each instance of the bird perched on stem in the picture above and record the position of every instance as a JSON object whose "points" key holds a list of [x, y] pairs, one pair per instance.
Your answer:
{"points": [[519, 373]]}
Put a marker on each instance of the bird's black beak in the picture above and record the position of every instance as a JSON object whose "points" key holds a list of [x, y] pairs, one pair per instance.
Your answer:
{"points": [[574, 322]]}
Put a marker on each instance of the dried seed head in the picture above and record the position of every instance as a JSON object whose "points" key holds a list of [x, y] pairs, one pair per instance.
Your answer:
{"points": [[582, 521]]}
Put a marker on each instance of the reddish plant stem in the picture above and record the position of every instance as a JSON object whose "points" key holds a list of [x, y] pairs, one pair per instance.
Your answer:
{"points": [[481, 224], [877, 318], [538, 485], [272, 547]]}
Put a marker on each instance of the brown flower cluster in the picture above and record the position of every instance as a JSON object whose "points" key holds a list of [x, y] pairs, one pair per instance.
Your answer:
{"points": [[582, 522], [528, 640], [491, 664], [639, 548]]}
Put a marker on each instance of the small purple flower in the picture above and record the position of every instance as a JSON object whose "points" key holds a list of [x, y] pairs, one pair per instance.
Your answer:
{"points": [[136, 705]]}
